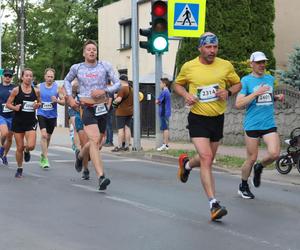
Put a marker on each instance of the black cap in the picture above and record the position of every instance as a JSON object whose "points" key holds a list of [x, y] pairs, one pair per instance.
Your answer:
{"points": [[123, 77], [8, 72]]}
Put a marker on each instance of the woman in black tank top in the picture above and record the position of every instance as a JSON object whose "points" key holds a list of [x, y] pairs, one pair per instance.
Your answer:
{"points": [[24, 100]]}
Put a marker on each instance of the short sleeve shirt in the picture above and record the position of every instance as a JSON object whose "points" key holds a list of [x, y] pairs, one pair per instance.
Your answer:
{"points": [[204, 81], [260, 112]]}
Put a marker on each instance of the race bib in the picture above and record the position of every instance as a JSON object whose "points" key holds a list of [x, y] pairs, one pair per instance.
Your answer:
{"points": [[47, 106], [100, 109], [28, 106], [5, 109], [208, 93], [264, 99]]}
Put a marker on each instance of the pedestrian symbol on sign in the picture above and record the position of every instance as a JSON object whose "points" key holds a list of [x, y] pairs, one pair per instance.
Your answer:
{"points": [[186, 16]]}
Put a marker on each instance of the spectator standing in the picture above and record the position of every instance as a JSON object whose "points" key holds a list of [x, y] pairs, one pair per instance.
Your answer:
{"points": [[124, 112], [164, 102]]}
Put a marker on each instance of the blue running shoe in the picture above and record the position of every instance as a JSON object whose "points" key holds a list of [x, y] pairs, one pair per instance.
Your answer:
{"points": [[19, 173], [4, 160], [1, 152]]}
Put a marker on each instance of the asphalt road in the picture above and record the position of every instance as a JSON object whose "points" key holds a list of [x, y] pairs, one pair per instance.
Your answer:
{"points": [[144, 208]]}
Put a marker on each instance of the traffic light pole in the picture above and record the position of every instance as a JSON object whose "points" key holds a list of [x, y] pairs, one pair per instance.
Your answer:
{"points": [[135, 78], [158, 76]]}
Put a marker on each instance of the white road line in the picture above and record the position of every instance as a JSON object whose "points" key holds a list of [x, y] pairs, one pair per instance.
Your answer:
{"points": [[164, 213], [36, 152], [63, 161]]}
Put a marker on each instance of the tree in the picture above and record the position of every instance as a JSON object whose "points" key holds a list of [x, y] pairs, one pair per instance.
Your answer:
{"points": [[54, 35], [241, 27], [291, 76]]}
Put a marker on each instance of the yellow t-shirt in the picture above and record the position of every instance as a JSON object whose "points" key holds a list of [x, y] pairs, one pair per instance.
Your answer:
{"points": [[204, 80]]}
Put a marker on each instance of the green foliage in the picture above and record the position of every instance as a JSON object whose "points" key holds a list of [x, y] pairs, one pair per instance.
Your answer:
{"points": [[242, 28], [55, 31], [291, 76]]}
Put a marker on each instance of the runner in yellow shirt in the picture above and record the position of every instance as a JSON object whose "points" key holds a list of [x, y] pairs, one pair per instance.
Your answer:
{"points": [[210, 80]]}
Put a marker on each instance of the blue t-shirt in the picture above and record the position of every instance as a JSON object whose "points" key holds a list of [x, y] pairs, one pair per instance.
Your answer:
{"points": [[5, 91], [48, 108], [165, 103], [259, 112]]}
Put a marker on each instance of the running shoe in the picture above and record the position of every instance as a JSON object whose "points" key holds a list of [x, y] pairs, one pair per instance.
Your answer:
{"points": [[4, 160], [117, 149], [46, 164], [78, 162], [183, 173], [163, 147], [26, 156], [42, 159], [85, 174], [217, 211], [245, 192], [19, 173], [103, 182], [1, 152], [258, 168]]}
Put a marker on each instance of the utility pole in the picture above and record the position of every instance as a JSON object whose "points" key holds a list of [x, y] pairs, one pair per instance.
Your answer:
{"points": [[135, 77], [22, 19]]}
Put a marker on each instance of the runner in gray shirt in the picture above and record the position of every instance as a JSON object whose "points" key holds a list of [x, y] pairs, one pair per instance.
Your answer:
{"points": [[92, 76]]}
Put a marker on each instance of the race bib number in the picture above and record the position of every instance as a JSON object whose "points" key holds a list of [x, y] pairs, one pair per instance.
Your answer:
{"points": [[5, 109], [264, 99], [47, 106], [28, 106], [100, 109], [208, 93]]}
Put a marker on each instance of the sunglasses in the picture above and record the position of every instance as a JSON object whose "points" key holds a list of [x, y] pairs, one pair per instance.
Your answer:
{"points": [[10, 76]]}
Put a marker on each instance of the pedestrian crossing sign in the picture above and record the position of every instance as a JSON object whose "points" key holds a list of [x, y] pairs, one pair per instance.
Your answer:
{"points": [[186, 18]]}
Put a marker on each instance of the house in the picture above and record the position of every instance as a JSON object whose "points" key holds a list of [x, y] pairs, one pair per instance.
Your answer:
{"points": [[115, 46]]}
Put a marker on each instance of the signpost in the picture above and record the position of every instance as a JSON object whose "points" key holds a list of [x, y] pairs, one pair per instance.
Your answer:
{"points": [[186, 18]]}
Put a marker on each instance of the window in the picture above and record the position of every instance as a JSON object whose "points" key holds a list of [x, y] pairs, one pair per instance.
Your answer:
{"points": [[125, 34]]}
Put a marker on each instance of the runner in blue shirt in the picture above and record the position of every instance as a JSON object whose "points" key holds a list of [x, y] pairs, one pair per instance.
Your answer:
{"points": [[47, 113], [164, 102], [6, 115], [257, 95]]}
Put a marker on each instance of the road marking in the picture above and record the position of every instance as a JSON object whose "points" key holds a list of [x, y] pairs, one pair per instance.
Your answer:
{"points": [[36, 152], [164, 213], [64, 161], [62, 148]]}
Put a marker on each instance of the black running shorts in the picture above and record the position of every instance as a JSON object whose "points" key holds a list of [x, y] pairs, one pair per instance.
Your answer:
{"points": [[23, 126], [206, 126], [48, 123], [260, 133], [89, 118]]}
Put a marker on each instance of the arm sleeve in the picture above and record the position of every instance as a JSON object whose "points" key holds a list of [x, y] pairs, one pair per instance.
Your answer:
{"points": [[232, 76], [244, 91], [161, 96], [181, 77], [113, 76], [69, 78]]}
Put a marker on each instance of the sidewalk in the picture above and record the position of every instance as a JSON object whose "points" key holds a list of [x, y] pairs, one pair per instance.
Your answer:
{"points": [[61, 137]]}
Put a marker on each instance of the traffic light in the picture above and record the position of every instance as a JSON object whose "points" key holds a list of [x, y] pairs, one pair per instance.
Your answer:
{"points": [[159, 22], [146, 44]]}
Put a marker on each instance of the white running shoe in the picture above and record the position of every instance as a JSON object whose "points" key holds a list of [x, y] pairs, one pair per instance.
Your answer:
{"points": [[163, 147]]}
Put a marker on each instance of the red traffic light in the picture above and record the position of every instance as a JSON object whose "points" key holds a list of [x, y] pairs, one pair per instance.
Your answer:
{"points": [[159, 8]]}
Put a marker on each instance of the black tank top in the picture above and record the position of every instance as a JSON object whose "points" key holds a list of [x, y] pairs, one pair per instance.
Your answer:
{"points": [[27, 113]]}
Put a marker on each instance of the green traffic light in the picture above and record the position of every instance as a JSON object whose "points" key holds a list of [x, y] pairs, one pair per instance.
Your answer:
{"points": [[160, 43]]}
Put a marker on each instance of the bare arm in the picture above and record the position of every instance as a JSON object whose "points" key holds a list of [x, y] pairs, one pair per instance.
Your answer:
{"points": [[189, 98], [242, 100]]}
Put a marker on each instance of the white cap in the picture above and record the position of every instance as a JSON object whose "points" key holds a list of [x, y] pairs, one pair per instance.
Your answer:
{"points": [[258, 56]]}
